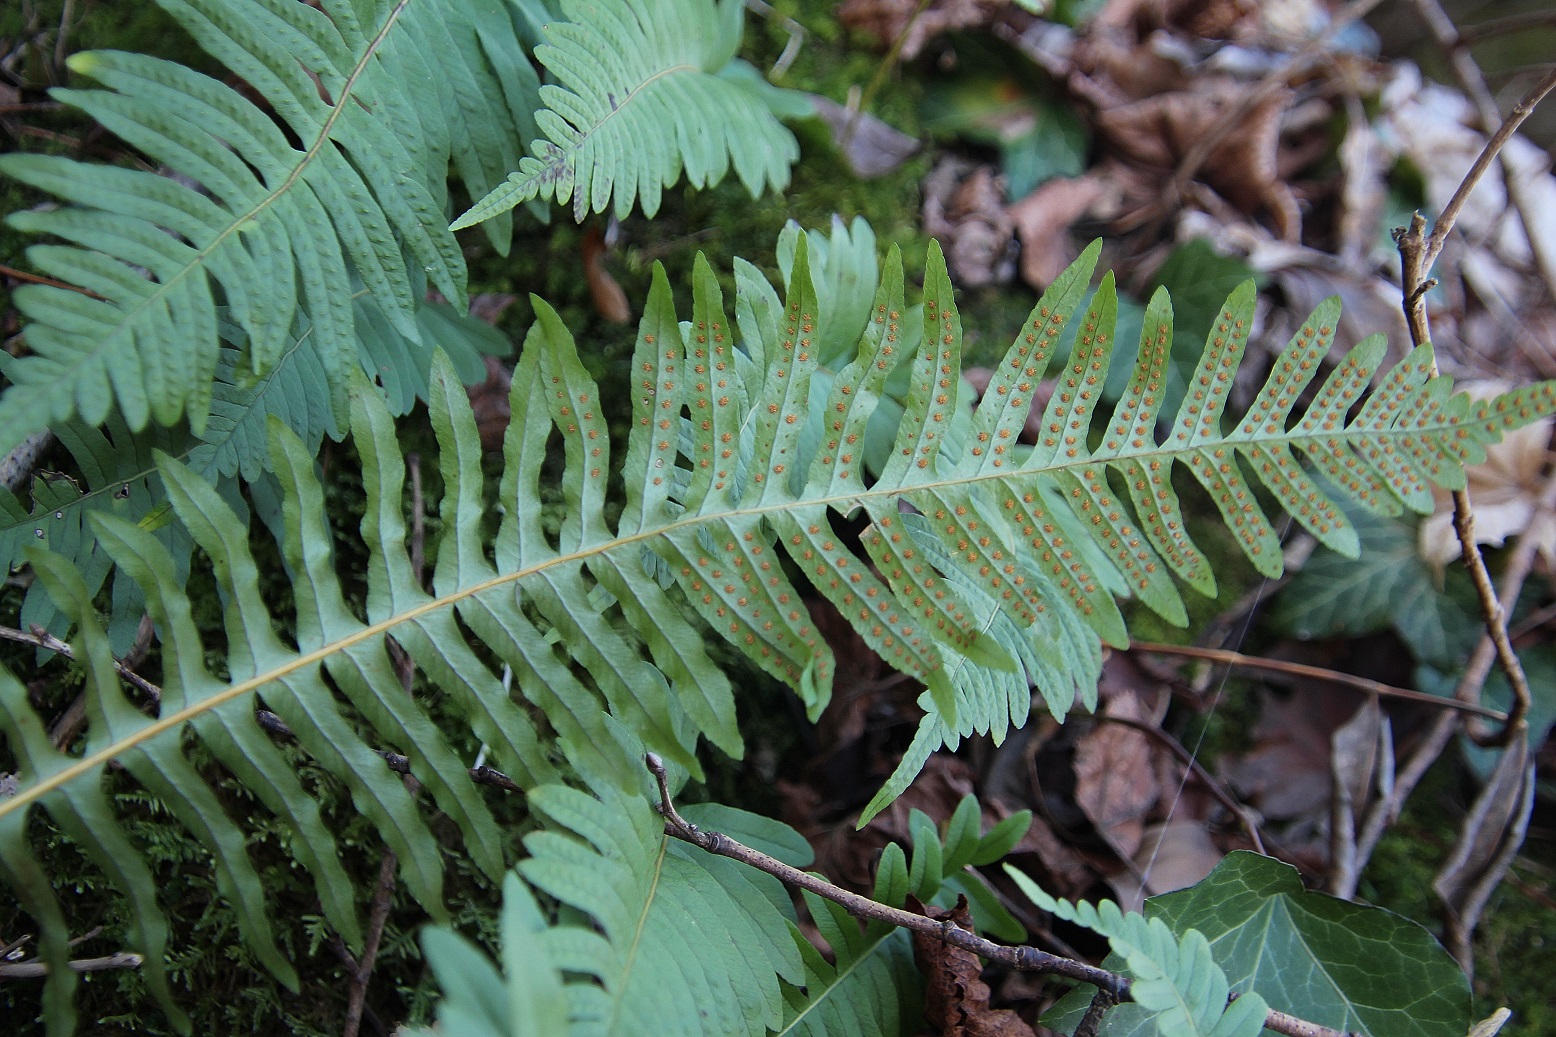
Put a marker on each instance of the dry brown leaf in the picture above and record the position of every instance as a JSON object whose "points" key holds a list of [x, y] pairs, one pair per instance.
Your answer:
{"points": [[1505, 489], [1115, 778], [1159, 131], [610, 301], [966, 211], [887, 19], [1174, 855], [1287, 772], [1043, 218], [489, 401], [956, 1000]]}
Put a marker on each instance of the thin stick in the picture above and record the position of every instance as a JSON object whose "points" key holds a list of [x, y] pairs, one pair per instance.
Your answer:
{"points": [[1386, 809], [43, 639], [1349, 680], [36, 969], [1472, 34], [1417, 254], [1493, 148], [1024, 959], [22, 275]]}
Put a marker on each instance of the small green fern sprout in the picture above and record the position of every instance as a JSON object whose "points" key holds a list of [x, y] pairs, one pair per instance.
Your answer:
{"points": [[1176, 979], [644, 90]]}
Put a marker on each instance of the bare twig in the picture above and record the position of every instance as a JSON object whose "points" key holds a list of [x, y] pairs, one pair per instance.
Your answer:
{"points": [[22, 275], [362, 968], [1474, 82], [1513, 23], [1024, 959], [1349, 680], [43, 639], [1385, 810], [37, 969], [1417, 253]]}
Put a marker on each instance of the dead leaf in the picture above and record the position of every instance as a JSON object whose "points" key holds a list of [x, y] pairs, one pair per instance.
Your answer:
{"points": [[610, 302], [1043, 218], [964, 207], [1158, 131], [1489, 838], [886, 20], [489, 401], [1287, 772], [1115, 780], [869, 146], [1505, 489], [1174, 855], [956, 1000]]}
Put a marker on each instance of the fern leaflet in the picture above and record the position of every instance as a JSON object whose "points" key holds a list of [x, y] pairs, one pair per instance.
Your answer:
{"points": [[1175, 979]]}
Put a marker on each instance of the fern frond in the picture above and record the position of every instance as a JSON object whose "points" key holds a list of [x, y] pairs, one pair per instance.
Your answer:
{"points": [[984, 566], [254, 223], [643, 92], [120, 478], [872, 985], [1175, 979]]}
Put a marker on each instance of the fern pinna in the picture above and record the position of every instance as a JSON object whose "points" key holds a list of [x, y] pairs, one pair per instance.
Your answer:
{"points": [[986, 566]]}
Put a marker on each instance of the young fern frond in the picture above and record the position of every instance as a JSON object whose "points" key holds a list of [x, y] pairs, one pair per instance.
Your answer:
{"points": [[661, 937], [983, 565], [644, 91], [845, 996], [1175, 979], [273, 212]]}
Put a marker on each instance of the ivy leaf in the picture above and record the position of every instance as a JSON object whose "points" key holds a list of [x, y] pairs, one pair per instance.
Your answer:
{"points": [[1390, 585], [1338, 964]]}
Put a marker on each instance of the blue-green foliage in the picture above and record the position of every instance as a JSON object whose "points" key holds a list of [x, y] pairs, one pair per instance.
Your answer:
{"points": [[985, 567]]}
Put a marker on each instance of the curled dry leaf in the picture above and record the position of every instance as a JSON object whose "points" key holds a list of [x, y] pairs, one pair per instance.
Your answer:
{"points": [[1158, 131], [956, 999], [1505, 490], [966, 211], [1115, 779], [886, 20], [610, 301], [1043, 219]]}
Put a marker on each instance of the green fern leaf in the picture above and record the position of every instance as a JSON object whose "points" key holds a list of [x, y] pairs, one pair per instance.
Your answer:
{"points": [[872, 985], [1175, 979], [266, 228], [643, 92], [995, 561], [120, 478]]}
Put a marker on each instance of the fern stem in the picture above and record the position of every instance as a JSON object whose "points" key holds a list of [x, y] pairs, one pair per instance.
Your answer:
{"points": [[1024, 959]]}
